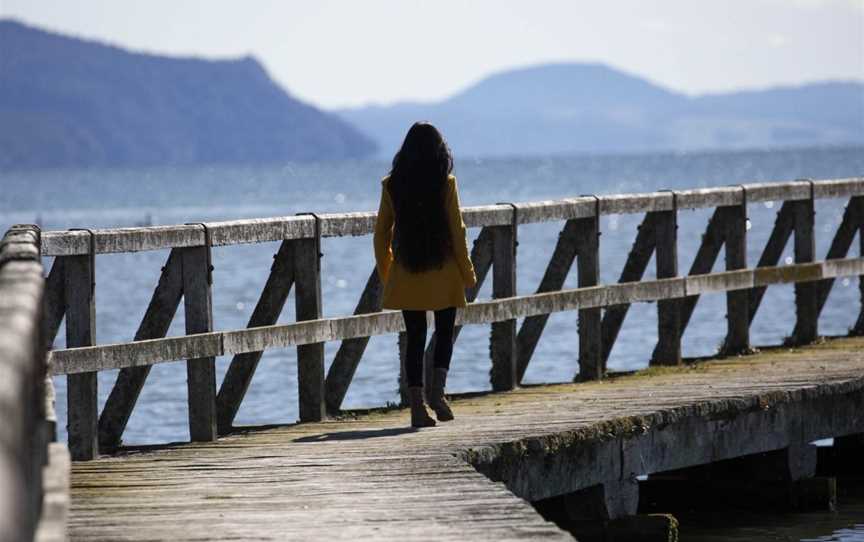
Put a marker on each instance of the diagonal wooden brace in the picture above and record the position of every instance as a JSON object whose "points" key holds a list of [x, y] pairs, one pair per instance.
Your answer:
{"points": [[350, 351], [634, 268], [553, 279], [266, 312]]}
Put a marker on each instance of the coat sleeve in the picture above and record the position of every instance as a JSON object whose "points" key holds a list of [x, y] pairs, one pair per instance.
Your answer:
{"points": [[383, 236], [460, 241]]}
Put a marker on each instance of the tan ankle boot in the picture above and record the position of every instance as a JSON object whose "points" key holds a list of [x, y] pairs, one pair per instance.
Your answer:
{"points": [[419, 415], [437, 401]]}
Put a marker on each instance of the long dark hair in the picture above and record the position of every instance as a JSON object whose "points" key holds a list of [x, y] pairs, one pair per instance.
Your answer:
{"points": [[418, 186]]}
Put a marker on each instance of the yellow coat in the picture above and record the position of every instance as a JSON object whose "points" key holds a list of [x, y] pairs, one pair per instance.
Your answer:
{"points": [[429, 290]]}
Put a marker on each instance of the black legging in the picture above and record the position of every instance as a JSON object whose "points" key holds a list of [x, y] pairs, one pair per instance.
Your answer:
{"points": [[415, 326]]}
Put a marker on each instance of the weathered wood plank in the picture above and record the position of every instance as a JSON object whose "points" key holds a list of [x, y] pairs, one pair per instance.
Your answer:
{"points": [[108, 240], [130, 381], [78, 360], [668, 351], [266, 312], [200, 370], [374, 478], [57, 243], [347, 358], [709, 197], [310, 356], [737, 311], [553, 279], [23, 435], [637, 261], [806, 293], [590, 330], [636, 203], [260, 230], [502, 341], [838, 188], [55, 302], [730, 281], [81, 388], [135, 354], [563, 209], [785, 191], [784, 225], [53, 521]]}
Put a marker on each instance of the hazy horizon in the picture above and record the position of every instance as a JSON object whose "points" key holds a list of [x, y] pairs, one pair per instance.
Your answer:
{"points": [[353, 55]]}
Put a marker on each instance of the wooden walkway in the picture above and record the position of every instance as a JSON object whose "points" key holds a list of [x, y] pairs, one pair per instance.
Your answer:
{"points": [[375, 478]]}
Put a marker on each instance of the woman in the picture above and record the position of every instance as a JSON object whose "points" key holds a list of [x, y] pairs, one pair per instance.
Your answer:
{"points": [[422, 258]]}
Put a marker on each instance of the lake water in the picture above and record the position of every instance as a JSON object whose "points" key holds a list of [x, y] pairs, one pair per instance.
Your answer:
{"points": [[60, 199]]}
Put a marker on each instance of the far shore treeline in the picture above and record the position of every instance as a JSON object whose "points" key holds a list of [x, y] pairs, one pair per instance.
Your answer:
{"points": [[67, 102]]}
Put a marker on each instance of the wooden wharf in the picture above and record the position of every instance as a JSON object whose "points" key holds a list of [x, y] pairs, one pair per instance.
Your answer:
{"points": [[375, 478], [371, 477]]}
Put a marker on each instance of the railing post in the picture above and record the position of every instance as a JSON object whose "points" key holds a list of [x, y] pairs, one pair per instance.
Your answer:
{"points": [[806, 293], [858, 214], [402, 346], [737, 301], [588, 268], [307, 297], [668, 350], [81, 389], [503, 375], [200, 372]]}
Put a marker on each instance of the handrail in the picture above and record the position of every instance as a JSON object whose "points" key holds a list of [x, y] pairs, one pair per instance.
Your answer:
{"points": [[114, 240], [26, 411], [240, 341]]}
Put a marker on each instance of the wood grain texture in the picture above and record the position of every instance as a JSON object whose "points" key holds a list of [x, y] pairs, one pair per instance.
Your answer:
{"points": [[24, 433], [201, 369], [54, 301], [737, 310], [81, 388], [806, 293], [590, 320], [111, 240], [502, 340], [375, 478], [668, 351], [310, 356]]}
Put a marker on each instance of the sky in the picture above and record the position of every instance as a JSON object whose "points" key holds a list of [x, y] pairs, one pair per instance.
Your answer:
{"points": [[350, 53]]}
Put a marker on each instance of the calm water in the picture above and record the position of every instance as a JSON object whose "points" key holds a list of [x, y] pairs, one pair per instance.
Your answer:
{"points": [[126, 197]]}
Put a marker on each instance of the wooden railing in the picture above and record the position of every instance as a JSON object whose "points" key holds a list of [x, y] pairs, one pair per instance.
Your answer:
{"points": [[602, 308], [26, 395]]}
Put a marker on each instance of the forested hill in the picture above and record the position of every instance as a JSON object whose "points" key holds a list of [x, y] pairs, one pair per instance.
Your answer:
{"points": [[71, 102]]}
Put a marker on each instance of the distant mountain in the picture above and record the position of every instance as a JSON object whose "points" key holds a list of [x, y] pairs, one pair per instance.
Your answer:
{"points": [[561, 108], [70, 102]]}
